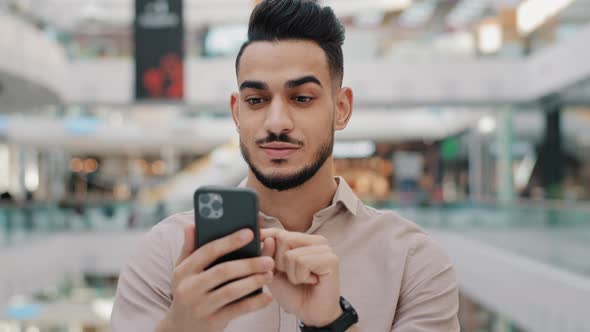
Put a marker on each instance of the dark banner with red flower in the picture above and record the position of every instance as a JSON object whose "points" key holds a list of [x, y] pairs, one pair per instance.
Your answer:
{"points": [[159, 34]]}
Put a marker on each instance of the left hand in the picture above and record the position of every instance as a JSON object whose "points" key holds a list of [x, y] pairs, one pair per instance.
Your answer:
{"points": [[307, 278]]}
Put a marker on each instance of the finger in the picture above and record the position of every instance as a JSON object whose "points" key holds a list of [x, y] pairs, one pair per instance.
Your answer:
{"points": [[296, 239], [297, 271], [189, 293], [204, 256], [188, 245], [291, 267], [312, 279], [233, 270], [269, 247], [260, 235], [282, 246], [243, 307], [269, 232], [285, 241], [236, 290], [303, 273], [321, 265]]}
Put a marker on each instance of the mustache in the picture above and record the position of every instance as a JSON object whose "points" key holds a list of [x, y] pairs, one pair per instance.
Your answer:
{"points": [[284, 138]]}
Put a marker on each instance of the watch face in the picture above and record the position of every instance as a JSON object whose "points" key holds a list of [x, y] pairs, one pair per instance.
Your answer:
{"points": [[345, 304]]}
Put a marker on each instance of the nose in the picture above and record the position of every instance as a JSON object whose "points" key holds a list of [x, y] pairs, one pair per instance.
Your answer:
{"points": [[278, 120]]}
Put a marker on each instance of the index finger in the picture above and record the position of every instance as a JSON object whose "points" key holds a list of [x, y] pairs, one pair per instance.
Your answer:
{"points": [[293, 239], [269, 232], [204, 256]]}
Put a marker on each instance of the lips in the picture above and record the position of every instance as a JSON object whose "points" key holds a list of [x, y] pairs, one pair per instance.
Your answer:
{"points": [[279, 150]]}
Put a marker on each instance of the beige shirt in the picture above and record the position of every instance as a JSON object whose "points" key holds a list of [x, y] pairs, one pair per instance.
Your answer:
{"points": [[391, 271]]}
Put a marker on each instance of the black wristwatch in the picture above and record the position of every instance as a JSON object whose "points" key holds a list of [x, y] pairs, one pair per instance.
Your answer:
{"points": [[348, 318]]}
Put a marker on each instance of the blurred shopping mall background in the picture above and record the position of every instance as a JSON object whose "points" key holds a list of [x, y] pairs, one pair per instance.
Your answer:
{"points": [[472, 118]]}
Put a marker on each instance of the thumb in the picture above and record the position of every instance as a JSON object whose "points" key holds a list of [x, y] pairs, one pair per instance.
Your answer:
{"points": [[189, 243]]}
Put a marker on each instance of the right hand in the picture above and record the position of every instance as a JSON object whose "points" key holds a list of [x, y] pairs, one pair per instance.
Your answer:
{"points": [[197, 305]]}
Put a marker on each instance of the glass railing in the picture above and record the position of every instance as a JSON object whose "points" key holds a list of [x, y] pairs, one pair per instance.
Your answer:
{"points": [[23, 223], [557, 234]]}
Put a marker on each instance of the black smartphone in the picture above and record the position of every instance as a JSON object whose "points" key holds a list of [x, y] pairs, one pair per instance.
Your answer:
{"points": [[221, 211]]}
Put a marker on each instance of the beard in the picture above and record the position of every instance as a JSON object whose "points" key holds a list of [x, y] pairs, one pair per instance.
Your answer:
{"points": [[299, 177]]}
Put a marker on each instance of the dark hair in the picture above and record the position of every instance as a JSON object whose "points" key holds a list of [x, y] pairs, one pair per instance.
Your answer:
{"points": [[274, 20]]}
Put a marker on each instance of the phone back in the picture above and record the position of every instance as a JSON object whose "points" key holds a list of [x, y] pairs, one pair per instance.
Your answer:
{"points": [[221, 211]]}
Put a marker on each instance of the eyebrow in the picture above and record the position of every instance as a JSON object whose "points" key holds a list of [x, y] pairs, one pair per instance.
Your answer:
{"points": [[302, 80], [257, 85]]}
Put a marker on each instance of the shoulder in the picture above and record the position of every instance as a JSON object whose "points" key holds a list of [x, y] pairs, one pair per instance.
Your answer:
{"points": [[158, 248], [155, 254], [173, 224], [401, 232], [175, 221], [391, 223], [144, 290], [168, 234]]}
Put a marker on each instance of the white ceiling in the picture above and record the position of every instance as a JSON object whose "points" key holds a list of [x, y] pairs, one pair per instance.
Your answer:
{"points": [[69, 13]]}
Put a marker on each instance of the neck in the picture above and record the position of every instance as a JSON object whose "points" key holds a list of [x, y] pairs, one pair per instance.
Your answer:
{"points": [[296, 207]]}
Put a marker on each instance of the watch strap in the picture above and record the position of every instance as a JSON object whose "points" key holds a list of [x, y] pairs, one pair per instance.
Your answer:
{"points": [[348, 318]]}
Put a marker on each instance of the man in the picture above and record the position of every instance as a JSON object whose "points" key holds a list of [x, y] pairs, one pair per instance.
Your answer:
{"points": [[329, 262]]}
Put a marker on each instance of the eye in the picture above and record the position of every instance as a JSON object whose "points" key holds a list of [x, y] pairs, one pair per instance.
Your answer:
{"points": [[303, 99], [254, 101]]}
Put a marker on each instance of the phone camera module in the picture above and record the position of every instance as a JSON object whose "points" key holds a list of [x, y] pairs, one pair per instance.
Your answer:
{"points": [[205, 198], [205, 212], [216, 205], [211, 205]]}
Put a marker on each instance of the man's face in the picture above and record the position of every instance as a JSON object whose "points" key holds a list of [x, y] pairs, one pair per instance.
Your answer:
{"points": [[284, 111]]}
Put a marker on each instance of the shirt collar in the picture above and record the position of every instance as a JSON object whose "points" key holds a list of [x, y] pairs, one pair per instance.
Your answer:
{"points": [[343, 195]]}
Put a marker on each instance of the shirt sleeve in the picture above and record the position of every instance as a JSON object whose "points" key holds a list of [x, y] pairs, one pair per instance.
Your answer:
{"points": [[429, 299], [143, 291]]}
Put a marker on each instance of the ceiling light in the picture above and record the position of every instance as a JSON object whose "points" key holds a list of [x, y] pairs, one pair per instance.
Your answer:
{"points": [[103, 308], [531, 14], [223, 40], [524, 170], [32, 177], [395, 5], [489, 37], [92, 11], [486, 125], [355, 149]]}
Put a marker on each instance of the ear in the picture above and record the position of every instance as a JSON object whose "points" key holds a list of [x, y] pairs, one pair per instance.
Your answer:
{"points": [[234, 102], [344, 100]]}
